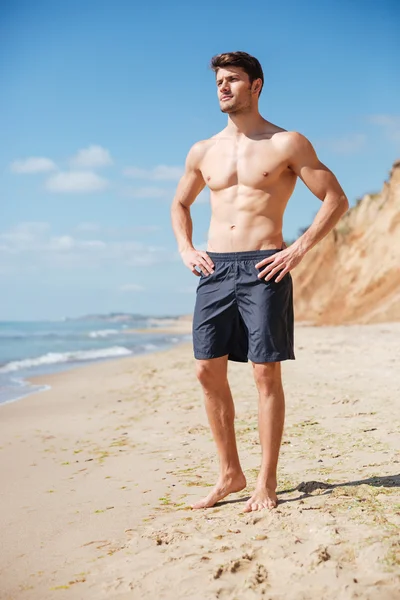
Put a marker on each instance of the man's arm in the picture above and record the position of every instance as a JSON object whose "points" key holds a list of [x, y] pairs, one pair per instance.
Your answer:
{"points": [[303, 161], [189, 187]]}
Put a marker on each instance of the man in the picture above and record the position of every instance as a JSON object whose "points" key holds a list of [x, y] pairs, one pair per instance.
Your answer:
{"points": [[244, 306]]}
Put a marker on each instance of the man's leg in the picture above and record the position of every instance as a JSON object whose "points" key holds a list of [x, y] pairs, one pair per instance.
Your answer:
{"points": [[271, 416], [212, 375]]}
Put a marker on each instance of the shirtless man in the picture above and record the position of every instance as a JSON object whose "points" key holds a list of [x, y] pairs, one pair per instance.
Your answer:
{"points": [[244, 306]]}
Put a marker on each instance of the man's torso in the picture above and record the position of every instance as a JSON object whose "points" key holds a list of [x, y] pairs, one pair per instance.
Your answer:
{"points": [[250, 185]]}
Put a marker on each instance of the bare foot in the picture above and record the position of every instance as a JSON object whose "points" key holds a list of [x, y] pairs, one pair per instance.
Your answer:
{"points": [[263, 497], [225, 486]]}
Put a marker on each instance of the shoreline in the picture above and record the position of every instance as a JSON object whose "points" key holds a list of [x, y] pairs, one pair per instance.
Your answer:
{"points": [[180, 327]]}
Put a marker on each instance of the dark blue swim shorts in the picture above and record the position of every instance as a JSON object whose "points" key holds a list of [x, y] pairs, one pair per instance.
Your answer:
{"points": [[239, 315]]}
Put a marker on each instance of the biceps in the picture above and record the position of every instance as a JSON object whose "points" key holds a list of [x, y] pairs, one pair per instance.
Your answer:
{"points": [[319, 179], [189, 187]]}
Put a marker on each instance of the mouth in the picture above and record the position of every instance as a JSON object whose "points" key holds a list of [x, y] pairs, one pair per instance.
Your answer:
{"points": [[226, 97]]}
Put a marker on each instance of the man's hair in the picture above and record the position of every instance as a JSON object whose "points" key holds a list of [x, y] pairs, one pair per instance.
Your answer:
{"points": [[248, 63]]}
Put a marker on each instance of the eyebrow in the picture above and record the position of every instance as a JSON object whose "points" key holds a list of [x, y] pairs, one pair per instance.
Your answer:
{"points": [[229, 77]]}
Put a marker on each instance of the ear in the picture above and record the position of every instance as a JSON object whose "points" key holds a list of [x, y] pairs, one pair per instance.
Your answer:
{"points": [[257, 85]]}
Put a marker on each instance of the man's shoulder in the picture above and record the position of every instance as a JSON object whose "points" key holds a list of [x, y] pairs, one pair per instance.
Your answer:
{"points": [[199, 150], [290, 141]]}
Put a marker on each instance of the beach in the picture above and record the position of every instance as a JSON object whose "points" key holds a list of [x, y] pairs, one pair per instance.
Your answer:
{"points": [[99, 472], [32, 348]]}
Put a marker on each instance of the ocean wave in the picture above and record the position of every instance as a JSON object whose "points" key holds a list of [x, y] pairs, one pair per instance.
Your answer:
{"points": [[53, 358], [102, 333], [149, 347], [22, 335]]}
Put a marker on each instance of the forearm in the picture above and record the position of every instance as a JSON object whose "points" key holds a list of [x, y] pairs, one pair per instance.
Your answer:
{"points": [[182, 226], [331, 211]]}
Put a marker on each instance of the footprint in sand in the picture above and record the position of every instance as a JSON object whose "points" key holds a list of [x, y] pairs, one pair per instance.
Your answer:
{"points": [[241, 574], [164, 536], [234, 565]]}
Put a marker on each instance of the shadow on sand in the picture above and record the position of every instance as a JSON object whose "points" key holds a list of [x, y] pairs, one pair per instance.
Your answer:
{"points": [[307, 487]]}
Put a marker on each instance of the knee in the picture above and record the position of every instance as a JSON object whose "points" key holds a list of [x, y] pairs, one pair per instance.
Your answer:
{"points": [[207, 374], [267, 377]]}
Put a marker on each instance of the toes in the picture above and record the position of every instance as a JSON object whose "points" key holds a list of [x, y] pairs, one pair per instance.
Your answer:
{"points": [[207, 502], [202, 504], [253, 505], [248, 508]]}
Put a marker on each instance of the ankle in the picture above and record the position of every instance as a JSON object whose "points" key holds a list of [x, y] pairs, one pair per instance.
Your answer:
{"points": [[231, 472], [267, 481]]}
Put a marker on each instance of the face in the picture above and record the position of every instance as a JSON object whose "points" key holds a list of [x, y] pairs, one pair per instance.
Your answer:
{"points": [[235, 93]]}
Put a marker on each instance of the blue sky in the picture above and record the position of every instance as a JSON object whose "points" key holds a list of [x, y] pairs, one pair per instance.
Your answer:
{"points": [[101, 101]]}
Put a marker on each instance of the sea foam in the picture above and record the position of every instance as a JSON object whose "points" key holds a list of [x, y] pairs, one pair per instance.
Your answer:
{"points": [[53, 358], [102, 333]]}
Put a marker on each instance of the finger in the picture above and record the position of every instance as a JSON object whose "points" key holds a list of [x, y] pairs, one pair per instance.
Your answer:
{"points": [[207, 259], [202, 269], [272, 273], [265, 261], [195, 272], [203, 265], [268, 269], [282, 275]]}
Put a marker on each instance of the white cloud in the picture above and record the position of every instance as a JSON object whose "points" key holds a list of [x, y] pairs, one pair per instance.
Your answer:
{"points": [[347, 144], [131, 287], [33, 165], [76, 182], [87, 226], [128, 230], [146, 192], [91, 157], [93, 244], [67, 242], [31, 243], [161, 172], [63, 242], [23, 236], [389, 123]]}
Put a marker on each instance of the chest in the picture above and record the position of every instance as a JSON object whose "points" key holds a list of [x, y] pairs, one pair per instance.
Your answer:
{"points": [[253, 164]]}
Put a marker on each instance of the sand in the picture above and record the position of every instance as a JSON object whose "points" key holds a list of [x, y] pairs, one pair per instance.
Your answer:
{"points": [[176, 326], [98, 475]]}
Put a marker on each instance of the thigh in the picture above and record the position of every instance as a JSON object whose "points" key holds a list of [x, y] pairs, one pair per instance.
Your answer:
{"points": [[267, 310], [215, 315]]}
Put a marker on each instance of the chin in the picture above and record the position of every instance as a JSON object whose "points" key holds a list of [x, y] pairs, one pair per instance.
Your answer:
{"points": [[227, 108]]}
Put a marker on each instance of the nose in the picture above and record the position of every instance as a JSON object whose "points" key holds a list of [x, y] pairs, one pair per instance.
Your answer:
{"points": [[225, 88]]}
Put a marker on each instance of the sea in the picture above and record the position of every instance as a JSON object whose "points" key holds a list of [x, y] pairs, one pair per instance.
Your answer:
{"points": [[38, 348]]}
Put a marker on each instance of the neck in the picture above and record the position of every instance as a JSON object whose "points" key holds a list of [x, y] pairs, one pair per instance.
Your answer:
{"points": [[245, 123]]}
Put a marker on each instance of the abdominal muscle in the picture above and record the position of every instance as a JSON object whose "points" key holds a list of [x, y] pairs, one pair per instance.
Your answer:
{"points": [[243, 220]]}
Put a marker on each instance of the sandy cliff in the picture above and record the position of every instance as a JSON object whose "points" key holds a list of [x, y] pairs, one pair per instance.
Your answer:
{"points": [[353, 275]]}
